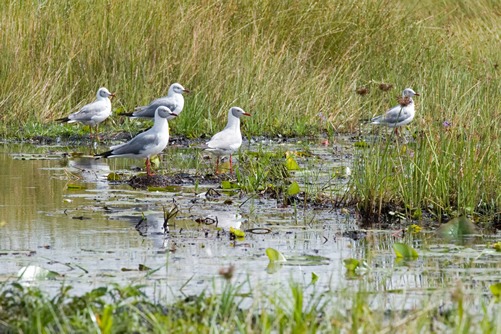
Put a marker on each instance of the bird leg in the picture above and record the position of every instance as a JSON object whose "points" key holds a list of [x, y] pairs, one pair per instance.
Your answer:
{"points": [[231, 166], [217, 165], [96, 133], [148, 167]]}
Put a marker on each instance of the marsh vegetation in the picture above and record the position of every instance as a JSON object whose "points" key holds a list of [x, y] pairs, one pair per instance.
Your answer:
{"points": [[302, 69]]}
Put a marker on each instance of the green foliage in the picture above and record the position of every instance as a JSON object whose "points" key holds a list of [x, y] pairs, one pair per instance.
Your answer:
{"points": [[290, 309], [262, 170]]}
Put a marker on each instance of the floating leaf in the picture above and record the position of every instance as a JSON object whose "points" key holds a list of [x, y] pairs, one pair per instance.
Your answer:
{"points": [[314, 277], [142, 267], [351, 264], [414, 228], [496, 246], [496, 290], [291, 164], [31, 273], [293, 189], [170, 189], [237, 233], [404, 251], [273, 267], [115, 177], [361, 144], [298, 154], [457, 228], [274, 255], [228, 185], [76, 187]]}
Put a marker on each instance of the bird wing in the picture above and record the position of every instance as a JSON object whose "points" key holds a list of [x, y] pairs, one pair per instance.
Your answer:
{"points": [[138, 144], [149, 110], [225, 140], [88, 111], [396, 114]]}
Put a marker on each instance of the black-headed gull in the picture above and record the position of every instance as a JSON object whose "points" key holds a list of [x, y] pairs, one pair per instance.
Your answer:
{"points": [[174, 101], [147, 143], [93, 113], [229, 139], [399, 115]]}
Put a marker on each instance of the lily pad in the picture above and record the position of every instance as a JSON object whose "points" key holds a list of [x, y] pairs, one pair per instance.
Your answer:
{"points": [[291, 163], [351, 264], [76, 187], [228, 185], [274, 255], [239, 234], [404, 251], [496, 290], [115, 177], [293, 189], [457, 228], [170, 189], [314, 277]]}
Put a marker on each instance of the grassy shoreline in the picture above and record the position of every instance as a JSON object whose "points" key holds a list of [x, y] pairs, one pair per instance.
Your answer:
{"points": [[296, 67], [126, 309]]}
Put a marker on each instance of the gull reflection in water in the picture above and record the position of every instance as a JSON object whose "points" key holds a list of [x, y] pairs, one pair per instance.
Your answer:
{"points": [[90, 170]]}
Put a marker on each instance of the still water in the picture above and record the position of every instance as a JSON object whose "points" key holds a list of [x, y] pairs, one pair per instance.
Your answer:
{"points": [[61, 213]]}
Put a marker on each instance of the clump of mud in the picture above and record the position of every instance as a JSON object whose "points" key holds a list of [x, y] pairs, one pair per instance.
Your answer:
{"points": [[144, 181]]}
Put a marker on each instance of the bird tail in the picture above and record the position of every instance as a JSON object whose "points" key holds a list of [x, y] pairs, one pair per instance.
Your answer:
{"points": [[63, 120], [127, 114], [103, 155], [376, 120]]}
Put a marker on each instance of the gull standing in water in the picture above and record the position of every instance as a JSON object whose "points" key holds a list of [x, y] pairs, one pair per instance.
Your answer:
{"points": [[174, 101], [92, 113], [399, 115], [229, 139], [148, 143]]}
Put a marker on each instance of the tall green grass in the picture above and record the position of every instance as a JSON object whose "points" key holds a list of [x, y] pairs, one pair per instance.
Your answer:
{"points": [[284, 61], [295, 65]]}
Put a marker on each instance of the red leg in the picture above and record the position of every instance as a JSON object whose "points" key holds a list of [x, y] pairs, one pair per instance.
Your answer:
{"points": [[148, 167], [217, 165], [231, 166]]}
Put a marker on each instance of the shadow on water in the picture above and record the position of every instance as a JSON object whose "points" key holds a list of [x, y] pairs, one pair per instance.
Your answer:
{"points": [[61, 212]]}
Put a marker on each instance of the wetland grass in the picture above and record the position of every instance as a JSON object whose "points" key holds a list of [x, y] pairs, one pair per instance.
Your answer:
{"points": [[295, 66], [293, 309]]}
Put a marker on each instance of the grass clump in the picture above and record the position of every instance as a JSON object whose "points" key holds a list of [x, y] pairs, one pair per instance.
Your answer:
{"points": [[127, 309], [449, 171]]}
